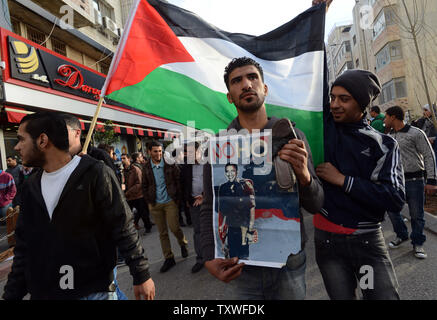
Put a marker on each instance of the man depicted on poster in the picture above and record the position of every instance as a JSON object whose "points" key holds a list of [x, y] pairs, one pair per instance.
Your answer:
{"points": [[237, 206]]}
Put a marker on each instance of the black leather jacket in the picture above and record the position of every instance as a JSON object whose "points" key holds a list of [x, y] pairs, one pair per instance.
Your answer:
{"points": [[91, 219]]}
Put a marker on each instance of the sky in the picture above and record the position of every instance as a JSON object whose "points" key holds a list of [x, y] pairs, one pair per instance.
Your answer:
{"points": [[256, 17]]}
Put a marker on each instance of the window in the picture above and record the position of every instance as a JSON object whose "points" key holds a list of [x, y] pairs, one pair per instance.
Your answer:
{"points": [[36, 36], [354, 39], [16, 26], [395, 50], [357, 63], [392, 51], [379, 25], [104, 68], [348, 46], [393, 89], [59, 47], [400, 88], [386, 17]]}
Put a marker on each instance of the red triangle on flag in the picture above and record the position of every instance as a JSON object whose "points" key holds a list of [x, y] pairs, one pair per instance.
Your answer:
{"points": [[150, 43]]}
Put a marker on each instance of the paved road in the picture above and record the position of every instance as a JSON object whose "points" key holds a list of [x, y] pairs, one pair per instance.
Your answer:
{"points": [[417, 278]]}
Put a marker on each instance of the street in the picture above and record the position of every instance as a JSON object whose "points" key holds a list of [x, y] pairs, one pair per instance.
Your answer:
{"points": [[417, 278]]}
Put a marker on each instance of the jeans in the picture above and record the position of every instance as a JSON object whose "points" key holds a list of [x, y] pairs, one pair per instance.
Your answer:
{"points": [[4, 210], [264, 283], [120, 294], [346, 260], [101, 296], [415, 194]]}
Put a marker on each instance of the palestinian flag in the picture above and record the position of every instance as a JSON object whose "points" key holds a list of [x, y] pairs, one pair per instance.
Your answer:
{"points": [[171, 63]]}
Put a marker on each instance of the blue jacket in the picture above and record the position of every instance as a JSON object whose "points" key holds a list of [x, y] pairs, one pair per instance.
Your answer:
{"points": [[374, 180]]}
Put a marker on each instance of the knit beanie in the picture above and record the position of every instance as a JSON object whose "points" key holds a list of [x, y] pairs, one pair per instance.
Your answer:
{"points": [[364, 86]]}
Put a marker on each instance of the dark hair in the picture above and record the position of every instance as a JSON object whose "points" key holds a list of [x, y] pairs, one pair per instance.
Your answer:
{"points": [[105, 147], [125, 154], [71, 121], [49, 123], [241, 62], [396, 111], [232, 164], [12, 157], [135, 156], [155, 143], [376, 109]]}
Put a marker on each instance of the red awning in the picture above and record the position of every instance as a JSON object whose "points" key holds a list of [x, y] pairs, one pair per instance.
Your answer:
{"points": [[15, 115]]}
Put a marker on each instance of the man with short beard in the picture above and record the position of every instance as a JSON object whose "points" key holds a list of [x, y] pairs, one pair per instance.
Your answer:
{"points": [[72, 219], [244, 79]]}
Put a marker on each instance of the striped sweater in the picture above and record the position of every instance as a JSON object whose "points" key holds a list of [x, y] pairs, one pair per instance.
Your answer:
{"points": [[7, 189]]}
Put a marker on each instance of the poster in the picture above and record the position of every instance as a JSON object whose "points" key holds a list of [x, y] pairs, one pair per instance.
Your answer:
{"points": [[253, 218]]}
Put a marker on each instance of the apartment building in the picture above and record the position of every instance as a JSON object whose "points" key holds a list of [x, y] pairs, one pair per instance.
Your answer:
{"points": [[386, 48], [54, 56]]}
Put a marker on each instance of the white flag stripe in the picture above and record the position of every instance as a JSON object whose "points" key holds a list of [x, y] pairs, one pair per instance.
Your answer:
{"points": [[295, 83]]}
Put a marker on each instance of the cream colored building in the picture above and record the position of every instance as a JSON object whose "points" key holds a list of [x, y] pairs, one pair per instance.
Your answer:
{"points": [[97, 27], [387, 49], [339, 51]]}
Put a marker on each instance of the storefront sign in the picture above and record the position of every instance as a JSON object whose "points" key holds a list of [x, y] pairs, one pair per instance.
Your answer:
{"points": [[43, 68]]}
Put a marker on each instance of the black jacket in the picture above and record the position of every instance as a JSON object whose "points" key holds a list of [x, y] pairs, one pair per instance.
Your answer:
{"points": [[91, 219]]}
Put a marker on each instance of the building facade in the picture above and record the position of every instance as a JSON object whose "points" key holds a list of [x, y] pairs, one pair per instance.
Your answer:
{"points": [[386, 46], [47, 65]]}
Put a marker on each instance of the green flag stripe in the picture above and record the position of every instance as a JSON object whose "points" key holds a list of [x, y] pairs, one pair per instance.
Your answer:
{"points": [[179, 97]]}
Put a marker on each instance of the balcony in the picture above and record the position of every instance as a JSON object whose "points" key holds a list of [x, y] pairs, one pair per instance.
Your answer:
{"points": [[83, 13]]}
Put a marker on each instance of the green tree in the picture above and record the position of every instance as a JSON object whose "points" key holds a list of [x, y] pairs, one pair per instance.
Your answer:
{"points": [[106, 134]]}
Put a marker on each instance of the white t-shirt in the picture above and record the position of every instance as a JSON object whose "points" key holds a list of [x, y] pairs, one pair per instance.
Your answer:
{"points": [[53, 183]]}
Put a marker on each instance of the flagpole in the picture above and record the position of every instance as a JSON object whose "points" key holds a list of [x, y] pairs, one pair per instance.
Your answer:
{"points": [[93, 124]]}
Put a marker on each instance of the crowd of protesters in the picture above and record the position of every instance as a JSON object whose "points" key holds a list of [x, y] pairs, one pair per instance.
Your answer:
{"points": [[87, 220]]}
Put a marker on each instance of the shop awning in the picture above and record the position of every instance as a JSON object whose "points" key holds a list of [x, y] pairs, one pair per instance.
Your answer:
{"points": [[15, 115]]}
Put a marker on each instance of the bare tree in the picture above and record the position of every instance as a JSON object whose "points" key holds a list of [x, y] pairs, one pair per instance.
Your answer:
{"points": [[414, 25]]}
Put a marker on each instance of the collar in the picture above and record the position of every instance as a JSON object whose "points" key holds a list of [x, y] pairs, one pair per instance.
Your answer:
{"points": [[405, 128], [157, 166], [235, 124]]}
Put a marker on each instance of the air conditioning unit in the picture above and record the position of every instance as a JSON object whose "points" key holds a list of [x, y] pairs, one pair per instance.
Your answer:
{"points": [[110, 26], [98, 20]]}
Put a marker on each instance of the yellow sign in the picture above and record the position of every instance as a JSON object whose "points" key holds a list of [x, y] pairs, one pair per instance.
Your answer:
{"points": [[27, 64]]}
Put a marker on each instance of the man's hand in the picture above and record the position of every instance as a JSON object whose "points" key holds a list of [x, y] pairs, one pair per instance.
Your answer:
{"points": [[225, 270], [146, 290], [328, 3], [430, 189], [330, 174], [296, 154], [198, 200]]}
